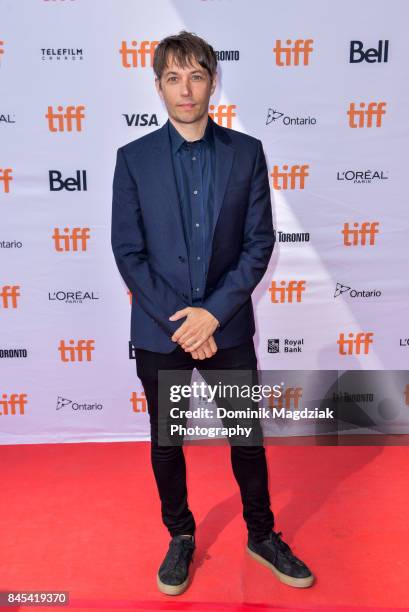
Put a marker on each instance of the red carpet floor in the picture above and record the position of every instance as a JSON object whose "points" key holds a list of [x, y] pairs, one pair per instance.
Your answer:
{"points": [[85, 518]]}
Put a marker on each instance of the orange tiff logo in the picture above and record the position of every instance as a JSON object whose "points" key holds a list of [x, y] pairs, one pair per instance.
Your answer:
{"points": [[76, 240], [1, 49], [82, 351], [138, 401], [222, 114], [6, 178], [355, 344], [12, 405], [286, 291], [361, 234], [64, 121], [290, 398], [133, 56], [291, 53], [9, 295], [289, 179], [364, 117]]}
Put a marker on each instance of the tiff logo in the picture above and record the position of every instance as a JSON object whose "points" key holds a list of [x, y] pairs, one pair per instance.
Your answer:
{"points": [[362, 235], [364, 118], [289, 399], [291, 54], [12, 405], [138, 402], [63, 122], [132, 57], [6, 178], [286, 291], [222, 114], [289, 179], [82, 351], [1, 49], [9, 295], [71, 241], [355, 344]]}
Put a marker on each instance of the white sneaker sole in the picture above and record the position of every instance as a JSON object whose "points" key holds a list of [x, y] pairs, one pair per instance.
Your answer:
{"points": [[172, 589]]}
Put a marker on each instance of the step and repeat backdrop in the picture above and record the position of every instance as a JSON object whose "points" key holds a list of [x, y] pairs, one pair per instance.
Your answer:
{"points": [[325, 87]]}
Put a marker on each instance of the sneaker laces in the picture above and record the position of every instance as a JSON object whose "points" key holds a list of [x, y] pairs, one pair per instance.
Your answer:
{"points": [[178, 550], [282, 546]]}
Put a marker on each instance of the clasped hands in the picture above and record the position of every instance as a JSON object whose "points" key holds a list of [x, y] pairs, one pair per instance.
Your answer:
{"points": [[195, 335]]}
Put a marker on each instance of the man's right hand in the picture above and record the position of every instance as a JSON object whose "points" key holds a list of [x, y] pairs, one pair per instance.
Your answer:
{"points": [[205, 350]]}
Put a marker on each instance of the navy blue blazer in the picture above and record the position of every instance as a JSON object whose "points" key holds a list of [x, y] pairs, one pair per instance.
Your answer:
{"points": [[150, 250]]}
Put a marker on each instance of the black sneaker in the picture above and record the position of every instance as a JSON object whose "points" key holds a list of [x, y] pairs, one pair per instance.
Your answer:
{"points": [[173, 574], [277, 555]]}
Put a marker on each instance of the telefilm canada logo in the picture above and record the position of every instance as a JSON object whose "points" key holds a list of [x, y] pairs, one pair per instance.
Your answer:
{"points": [[345, 290], [275, 116], [63, 402], [62, 55]]}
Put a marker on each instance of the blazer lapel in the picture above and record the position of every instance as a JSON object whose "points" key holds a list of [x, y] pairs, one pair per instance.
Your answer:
{"points": [[224, 153], [167, 181]]}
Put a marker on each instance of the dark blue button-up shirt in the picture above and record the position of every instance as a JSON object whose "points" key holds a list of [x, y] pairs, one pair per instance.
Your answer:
{"points": [[193, 163]]}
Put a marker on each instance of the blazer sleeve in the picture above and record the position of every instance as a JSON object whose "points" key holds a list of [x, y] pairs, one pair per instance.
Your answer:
{"points": [[258, 244], [157, 298]]}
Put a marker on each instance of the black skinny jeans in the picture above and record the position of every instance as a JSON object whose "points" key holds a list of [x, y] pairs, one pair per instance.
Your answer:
{"points": [[168, 462]]}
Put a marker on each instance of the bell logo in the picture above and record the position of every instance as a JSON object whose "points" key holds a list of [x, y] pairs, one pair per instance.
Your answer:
{"points": [[129, 54], [289, 399], [355, 344], [76, 352], [138, 401], [63, 122], [222, 114], [9, 295], [290, 55], [364, 118], [71, 241], [286, 291], [362, 235], [289, 179], [5, 178], [13, 405]]}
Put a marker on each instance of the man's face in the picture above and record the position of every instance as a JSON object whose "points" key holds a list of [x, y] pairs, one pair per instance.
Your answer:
{"points": [[185, 91]]}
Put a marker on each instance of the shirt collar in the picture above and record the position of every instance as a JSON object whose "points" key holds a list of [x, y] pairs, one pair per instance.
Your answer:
{"points": [[176, 139]]}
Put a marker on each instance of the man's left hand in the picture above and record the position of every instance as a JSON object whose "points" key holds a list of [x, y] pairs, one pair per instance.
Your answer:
{"points": [[196, 329]]}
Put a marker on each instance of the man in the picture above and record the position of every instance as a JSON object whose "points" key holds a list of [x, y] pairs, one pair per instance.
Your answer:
{"points": [[192, 236]]}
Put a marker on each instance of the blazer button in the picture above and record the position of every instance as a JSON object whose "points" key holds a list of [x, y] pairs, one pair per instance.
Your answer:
{"points": [[181, 259]]}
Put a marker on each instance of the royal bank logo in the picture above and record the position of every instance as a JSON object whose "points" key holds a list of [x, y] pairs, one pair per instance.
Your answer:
{"points": [[285, 345], [62, 54], [345, 290], [362, 177], [63, 402], [275, 117]]}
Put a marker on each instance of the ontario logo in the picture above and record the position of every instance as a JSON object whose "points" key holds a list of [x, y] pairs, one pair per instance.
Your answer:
{"points": [[275, 116]]}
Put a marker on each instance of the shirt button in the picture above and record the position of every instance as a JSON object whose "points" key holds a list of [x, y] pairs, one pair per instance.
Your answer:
{"points": [[195, 192], [198, 257], [197, 224], [197, 289], [193, 158]]}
